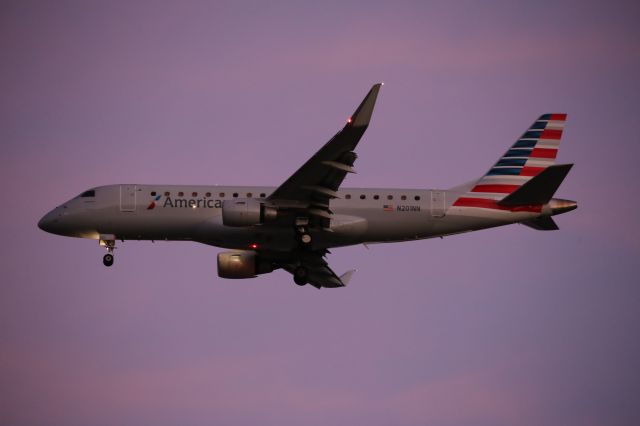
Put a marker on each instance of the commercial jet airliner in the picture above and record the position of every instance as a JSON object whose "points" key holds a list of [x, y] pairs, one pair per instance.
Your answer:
{"points": [[294, 225]]}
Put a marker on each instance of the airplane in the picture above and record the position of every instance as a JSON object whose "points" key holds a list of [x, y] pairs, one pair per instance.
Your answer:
{"points": [[293, 226]]}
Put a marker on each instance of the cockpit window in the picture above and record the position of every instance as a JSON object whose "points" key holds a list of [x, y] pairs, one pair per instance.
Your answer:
{"points": [[89, 193]]}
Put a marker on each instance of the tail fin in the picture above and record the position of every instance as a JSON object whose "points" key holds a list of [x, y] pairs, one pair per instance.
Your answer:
{"points": [[529, 156]]}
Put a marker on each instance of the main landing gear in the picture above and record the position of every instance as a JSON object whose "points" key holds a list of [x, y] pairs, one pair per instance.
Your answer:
{"points": [[110, 245], [305, 238], [301, 275], [302, 232]]}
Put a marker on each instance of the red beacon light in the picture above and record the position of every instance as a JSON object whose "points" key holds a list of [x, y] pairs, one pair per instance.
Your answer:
{"points": [[254, 246], [349, 120]]}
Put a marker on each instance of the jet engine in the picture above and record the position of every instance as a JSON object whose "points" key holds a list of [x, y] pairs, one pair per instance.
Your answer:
{"points": [[246, 212], [241, 264]]}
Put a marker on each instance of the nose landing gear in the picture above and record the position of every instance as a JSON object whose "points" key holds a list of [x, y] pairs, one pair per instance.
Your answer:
{"points": [[110, 243], [107, 259]]}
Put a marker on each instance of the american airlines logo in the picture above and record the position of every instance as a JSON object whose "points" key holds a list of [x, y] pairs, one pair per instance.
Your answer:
{"points": [[152, 204], [193, 203]]}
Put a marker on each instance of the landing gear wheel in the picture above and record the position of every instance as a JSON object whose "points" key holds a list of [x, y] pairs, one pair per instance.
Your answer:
{"points": [[300, 275], [107, 259], [305, 239]]}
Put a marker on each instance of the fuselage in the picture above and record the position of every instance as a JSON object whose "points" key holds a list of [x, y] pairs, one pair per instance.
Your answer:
{"points": [[194, 213]]}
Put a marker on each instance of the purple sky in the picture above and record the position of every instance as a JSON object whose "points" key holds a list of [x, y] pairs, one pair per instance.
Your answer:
{"points": [[500, 327]]}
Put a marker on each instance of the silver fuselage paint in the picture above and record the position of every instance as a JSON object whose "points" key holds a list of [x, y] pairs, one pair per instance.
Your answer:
{"points": [[188, 213]]}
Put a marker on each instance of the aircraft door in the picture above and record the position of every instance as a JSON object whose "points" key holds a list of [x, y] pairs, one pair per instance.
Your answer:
{"points": [[128, 198], [437, 203]]}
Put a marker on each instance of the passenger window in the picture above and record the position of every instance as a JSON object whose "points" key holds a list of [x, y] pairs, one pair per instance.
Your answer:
{"points": [[417, 198], [208, 194], [362, 197], [89, 193], [348, 196], [166, 194], [153, 193], [235, 195], [221, 195], [389, 197], [180, 194], [404, 197], [376, 197], [194, 194], [263, 195], [249, 195]]}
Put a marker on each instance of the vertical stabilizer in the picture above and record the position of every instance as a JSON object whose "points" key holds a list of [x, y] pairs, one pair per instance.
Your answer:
{"points": [[531, 154]]}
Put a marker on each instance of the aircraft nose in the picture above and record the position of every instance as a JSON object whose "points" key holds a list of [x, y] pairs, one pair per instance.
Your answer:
{"points": [[47, 222]]}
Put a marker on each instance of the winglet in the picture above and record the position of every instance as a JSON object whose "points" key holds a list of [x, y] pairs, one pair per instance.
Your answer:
{"points": [[362, 116], [346, 277]]}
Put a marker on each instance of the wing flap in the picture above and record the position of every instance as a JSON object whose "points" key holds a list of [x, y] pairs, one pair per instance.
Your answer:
{"points": [[346, 277], [324, 277], [320, 275]]}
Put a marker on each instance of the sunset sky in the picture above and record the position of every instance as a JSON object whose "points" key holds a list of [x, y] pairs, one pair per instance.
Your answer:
{"points": [[508, 326]]}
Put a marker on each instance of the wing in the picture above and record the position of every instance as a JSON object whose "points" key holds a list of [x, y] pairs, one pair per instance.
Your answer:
{"points": [[318, 272], [314, 184], [309, 190]]}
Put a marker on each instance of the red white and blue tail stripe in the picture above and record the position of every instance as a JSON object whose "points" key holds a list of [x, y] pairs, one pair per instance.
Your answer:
{"points": [[536, 150]]}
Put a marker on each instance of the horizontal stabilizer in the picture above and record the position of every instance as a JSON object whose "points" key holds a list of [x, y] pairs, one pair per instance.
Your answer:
{"points": [[543, 223], [539, 189]]}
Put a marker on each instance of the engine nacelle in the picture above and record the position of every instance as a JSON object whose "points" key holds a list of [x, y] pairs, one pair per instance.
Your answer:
{"points": [[246, 212], [241, 264]]}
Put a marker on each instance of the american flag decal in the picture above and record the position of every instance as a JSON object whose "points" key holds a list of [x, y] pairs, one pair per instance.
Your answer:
{"points": [[388, 207]]}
